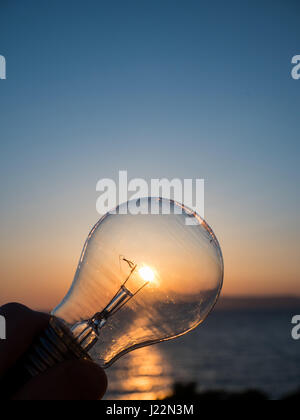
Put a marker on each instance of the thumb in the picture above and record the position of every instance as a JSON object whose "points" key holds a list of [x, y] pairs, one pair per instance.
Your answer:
{"points": [[72, 380]]}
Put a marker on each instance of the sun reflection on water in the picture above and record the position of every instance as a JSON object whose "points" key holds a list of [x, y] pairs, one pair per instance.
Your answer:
{"points": [[141, 375]]}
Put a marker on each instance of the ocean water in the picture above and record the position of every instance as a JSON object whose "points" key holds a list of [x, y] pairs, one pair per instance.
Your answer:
{"points": [[232, 350]]}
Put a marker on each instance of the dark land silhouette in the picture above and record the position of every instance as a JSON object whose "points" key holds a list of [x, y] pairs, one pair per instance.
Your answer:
{"points": [[188, 392]]}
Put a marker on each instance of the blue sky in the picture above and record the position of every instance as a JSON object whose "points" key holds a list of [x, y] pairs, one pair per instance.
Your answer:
{"points": [[163, 89]]}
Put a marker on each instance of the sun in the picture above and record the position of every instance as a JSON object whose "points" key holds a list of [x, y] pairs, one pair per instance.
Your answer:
{"points": [[147, 274]]}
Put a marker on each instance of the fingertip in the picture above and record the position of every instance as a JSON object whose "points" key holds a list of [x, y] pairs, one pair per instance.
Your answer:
{"points": [[18, 315], [22, 327]]}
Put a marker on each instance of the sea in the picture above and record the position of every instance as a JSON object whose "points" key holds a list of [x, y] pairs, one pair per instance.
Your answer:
{"points": [[235, 349]]}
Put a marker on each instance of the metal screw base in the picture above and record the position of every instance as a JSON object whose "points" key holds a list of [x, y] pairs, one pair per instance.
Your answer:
{"points": [[55, 345]]}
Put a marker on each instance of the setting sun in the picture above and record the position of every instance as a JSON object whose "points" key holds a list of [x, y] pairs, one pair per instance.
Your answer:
{"points": [[147, 274]]}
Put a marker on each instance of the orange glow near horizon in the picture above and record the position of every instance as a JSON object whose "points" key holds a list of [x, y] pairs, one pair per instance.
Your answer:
{"points": [[38, 266]]}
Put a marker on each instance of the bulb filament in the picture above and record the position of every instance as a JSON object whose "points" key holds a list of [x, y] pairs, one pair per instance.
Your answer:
{"points": [[86, 332]]}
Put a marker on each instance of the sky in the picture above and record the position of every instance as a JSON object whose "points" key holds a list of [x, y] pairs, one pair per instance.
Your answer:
{"points": [[166, 88]]}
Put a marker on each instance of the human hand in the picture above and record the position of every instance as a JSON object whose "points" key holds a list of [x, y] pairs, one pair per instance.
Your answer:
{"points": [[71, 380]]}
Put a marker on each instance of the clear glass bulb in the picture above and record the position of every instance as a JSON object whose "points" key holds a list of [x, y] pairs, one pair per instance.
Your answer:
{"points": [[142, 279]]}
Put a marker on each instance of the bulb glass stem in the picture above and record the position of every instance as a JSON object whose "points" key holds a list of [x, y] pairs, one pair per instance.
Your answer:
{"points": [[87, 332]]}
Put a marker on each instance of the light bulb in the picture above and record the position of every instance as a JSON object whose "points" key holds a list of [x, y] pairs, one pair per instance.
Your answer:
{"points": [[142, 278]]}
